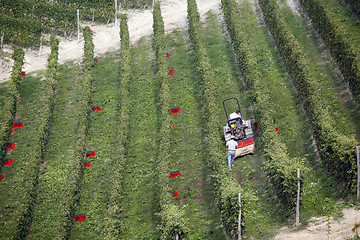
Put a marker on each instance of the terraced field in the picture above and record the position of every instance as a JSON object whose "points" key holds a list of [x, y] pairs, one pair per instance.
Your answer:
{"points": [[265, 53]]}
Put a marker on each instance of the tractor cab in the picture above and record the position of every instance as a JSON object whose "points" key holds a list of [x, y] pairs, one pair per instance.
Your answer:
{"points": [[241, 129]]}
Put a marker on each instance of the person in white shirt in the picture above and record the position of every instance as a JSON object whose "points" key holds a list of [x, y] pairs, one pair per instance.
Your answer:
{"points": [[231, 145], [235, 115]]}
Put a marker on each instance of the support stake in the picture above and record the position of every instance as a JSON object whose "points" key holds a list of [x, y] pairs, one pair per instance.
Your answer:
{"points": [[2, 41], [78, 24], [298, 199], [116, 10], [176, 233], [41, 40], [239, 222], [358, 173]]}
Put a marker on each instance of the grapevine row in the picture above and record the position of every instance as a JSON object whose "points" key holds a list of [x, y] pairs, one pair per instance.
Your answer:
{"points": [[225, 185], [355, 6], [11, 100], [113, 230], [171, 215], [71, 195], [279, 165], [24, 32], [339, 40], [337, 150], [22, 216]]}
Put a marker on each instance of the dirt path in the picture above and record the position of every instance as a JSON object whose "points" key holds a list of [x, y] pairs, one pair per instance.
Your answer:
{"points": [[318, 229], [106, 37]]}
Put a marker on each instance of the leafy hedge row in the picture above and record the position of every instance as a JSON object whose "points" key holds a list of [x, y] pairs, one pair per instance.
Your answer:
{"points": [[355, 6], [71, 195], [337, 150], [113, 229], [22, 216], [24, 32], [339, 40], [171, 215], [8, 110], [226, 188], [280, 167]]}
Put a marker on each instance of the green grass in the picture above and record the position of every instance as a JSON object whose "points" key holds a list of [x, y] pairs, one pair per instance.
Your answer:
{"points": [[11, 186], [101, 139], [140, 179], [188, 152], [57, 163]]}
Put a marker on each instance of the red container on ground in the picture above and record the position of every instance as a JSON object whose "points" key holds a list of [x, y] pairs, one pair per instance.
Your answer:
{"points": [[8, 162], [80, 217]]}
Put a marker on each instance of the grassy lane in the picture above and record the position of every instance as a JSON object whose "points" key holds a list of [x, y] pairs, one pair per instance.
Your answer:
{"points": [[10, 187], [140, 189], [188, 151], [57, 163], [101, 139], [344, 108]]}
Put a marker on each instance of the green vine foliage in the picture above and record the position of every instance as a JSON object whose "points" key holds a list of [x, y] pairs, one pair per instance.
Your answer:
{"points": [[24, 20], [339, 40], [172, 216], [337, 150], [12, 95], [114, 227], [22, 216], [355, 6], [279, 165], [71, 195], [226, 188]]}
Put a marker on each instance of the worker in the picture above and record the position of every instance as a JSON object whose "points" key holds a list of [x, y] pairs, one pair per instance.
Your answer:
{"points": [[235, 114], [231, 145]]}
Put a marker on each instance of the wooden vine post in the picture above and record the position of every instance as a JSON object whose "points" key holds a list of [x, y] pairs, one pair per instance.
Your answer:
{"points": [[41, 41], [239, 222], [78, 24], [2, 41], [116, 10], [298, 199], [176, 233], [358, 173]]}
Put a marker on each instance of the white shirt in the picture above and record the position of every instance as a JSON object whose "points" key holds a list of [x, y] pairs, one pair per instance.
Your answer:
{"points": [[234, 115], [232, 144]]}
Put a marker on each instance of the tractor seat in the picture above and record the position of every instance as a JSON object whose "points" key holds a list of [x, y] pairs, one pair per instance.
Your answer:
{"points": [[235, 121]]}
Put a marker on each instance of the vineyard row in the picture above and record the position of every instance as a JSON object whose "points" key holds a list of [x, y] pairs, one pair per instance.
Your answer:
{"points": [[115, 224], [337, 150], [279, 165], [172, 219], [339, 40]]}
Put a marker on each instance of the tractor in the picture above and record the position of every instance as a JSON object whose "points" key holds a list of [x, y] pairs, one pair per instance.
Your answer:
{"points": [[242, 131]]}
